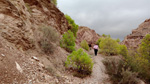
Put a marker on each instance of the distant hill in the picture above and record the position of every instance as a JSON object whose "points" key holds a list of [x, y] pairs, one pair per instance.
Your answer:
{"points": [[134, 39], [85, 33]]}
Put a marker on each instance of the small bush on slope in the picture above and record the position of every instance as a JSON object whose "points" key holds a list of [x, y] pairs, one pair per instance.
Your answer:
{"points": [[123, 50], [118, 40], [80, 61], [84, 45], [140, 65], [144, 48], [99, 41], [68, 41], [140, 61], [109, 46], [104, 35], [119, 74], [49, 36], [74, 26]]}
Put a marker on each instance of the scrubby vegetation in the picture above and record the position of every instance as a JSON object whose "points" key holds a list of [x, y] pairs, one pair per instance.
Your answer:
{"points": [[104, 35], [144, 48], [99, 41], [123, 50], [136, 64], [68, 41], [118, 40], [80, 61], [119, 73], [74, 26], [139, 60], [84, 45], [48, 38], [109, 46]]}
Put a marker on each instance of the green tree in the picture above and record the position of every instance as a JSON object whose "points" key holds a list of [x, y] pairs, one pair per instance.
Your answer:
{"points": [[84, 45], [74, 26], [109, 46], [123, 50], [99, 41], [80, 61], [68, 41], [144, 48], [118, 40], [104, 35]]}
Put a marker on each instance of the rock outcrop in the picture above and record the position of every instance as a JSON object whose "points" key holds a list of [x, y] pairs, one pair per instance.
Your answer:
{"points": [[19, 22], [133, 40], [20, 18], [85, 33]]}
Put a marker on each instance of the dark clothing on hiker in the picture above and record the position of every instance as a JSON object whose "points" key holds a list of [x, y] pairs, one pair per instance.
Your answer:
{"points": [[90, 46], [95, 49]]}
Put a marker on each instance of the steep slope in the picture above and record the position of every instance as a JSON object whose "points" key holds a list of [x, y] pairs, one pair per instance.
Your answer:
{"points": [[21, 59], [133, 40], [85, 33]]}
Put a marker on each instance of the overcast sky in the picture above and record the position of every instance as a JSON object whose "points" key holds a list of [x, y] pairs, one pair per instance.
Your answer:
{"points": [[114, 17]]}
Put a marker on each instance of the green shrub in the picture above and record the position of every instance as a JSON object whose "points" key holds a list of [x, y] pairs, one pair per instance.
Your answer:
{"points": [[129, 77], [123, 50], [118, 40], [104, 35], [144, 48], [54, 2], [84, 45], [139, 64], [109, 46], [74, 26], [68, 41], [49, 37], [119, 73], [80, 61], [99, 41]]}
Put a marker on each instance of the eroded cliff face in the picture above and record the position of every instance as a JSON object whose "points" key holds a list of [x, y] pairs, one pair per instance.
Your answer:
{"points": [[133, 40], [20, 18], [20, 60], [85, 33]]}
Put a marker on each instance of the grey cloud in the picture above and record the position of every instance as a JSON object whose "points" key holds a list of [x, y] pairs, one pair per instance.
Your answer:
{"points": [[114, 17]]}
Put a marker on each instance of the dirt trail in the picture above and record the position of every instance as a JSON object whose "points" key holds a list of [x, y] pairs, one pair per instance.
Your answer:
{"points": [[98, 75]]}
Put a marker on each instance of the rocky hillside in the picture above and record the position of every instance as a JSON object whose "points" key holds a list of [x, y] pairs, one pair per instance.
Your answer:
{"points": [[21, 59], [85, 33], [20, 19], [133, 40]]}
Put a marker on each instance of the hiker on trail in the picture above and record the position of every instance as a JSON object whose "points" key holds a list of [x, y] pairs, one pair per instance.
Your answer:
{"points": [[95, 49], [90, 45]]}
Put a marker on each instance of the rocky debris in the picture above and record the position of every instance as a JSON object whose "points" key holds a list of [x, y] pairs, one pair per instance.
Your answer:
{"points": [[18, 67], [85, 33], [35, 58], [3, 55], [133, 40]]}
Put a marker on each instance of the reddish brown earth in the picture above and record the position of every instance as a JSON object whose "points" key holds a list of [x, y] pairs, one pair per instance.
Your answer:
{"points": [[134, 39], [21, 59], [85, 33]]}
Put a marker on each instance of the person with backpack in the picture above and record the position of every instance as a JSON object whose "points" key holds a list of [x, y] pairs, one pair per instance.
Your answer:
{"points": [[95, 49]]}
